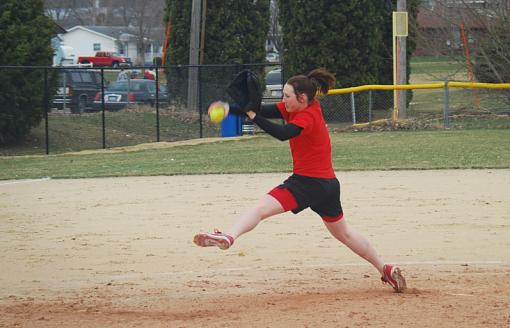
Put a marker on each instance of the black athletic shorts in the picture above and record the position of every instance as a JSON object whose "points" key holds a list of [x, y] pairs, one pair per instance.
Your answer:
{"points": [[320, 194]]}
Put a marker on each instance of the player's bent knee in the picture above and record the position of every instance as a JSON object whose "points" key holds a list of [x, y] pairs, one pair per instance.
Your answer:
{"points": [[333, 219]]}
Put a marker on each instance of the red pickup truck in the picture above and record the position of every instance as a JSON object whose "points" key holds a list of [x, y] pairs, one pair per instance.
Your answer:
{"points": [[105, 58]]}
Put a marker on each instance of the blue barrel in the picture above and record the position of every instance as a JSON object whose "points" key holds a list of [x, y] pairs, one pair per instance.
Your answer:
{"points": [[232, 126]]}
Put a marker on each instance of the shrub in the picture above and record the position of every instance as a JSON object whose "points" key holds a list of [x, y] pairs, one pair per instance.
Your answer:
{"points": [[25, 34]]}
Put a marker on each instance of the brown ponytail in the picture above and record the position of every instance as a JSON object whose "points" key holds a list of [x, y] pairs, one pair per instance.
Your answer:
{"points": [[317, 80]]}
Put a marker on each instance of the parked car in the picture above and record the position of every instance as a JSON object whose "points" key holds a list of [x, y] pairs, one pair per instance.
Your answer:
{"points": [[122, 93], [273, 57], [274, 85], [105, 58], [76, 90]]}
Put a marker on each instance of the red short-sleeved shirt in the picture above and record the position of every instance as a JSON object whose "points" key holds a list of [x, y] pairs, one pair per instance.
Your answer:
{"points": [[311, 149]]}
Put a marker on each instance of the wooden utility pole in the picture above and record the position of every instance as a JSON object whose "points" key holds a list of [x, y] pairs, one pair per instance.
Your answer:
{"points": [[402, 67], [194, 51]]}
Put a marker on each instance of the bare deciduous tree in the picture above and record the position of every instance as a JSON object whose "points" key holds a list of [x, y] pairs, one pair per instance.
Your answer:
{"points": [[472, 31], [59, 11], [78, 12], [140, 16], [275, 33]]}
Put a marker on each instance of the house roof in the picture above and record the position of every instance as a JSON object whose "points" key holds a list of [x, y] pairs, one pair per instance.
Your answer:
{"points": [[57, 29], [114, 32], [110, 32]]}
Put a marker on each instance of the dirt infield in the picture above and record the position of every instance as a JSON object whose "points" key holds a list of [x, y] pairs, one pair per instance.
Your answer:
{"points": [[118, 252]]}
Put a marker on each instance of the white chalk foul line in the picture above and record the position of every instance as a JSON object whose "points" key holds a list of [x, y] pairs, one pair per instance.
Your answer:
{"points": [[23, 181], [296, 267], [460, 294]]}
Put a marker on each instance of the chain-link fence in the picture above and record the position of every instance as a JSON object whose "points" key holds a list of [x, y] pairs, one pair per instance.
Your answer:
{"points": [[429, 106], [94, 108], [345, 109]]}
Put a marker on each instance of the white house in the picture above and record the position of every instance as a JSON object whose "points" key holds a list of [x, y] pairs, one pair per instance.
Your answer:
{"points": [[87, 40]]}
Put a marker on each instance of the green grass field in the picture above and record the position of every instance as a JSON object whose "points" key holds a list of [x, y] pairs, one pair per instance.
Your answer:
{"points": [[455, 149], [437, 69], [71, 133]]}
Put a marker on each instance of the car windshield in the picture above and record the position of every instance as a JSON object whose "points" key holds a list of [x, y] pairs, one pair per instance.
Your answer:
{"points": [[273, 78], [78, 77]]}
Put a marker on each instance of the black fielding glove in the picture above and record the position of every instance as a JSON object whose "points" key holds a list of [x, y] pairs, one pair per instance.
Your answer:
{"points": [[246, 91]]}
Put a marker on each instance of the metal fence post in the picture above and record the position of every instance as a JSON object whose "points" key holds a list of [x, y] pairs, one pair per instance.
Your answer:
{"points": [[369, 108], [157, 102], [353, 108], [446, 105], [64, 93], [199, 100], [46, 109], [102, 108]]}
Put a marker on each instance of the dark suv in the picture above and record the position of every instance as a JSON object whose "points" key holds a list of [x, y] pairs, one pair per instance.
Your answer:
{"points": [[122, 94], [76, 90]]}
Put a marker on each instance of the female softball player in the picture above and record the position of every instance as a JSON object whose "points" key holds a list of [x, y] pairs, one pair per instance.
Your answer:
{"points": [[313, 183]]}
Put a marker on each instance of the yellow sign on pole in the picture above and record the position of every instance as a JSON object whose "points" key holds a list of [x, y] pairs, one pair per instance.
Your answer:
{"points": [[400, 23]]}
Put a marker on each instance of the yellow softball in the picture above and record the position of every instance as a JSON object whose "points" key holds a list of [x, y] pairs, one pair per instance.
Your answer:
{"points": [[217, 114]]}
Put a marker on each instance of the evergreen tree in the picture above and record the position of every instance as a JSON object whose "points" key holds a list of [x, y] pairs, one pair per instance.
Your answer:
{"points": [[25, 34], [352, 38], [343, 37], [235, 33], [179, 16]]}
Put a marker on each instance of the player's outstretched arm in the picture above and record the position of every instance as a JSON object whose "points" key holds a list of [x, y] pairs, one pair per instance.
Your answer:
{"points": [[280, 132]]}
